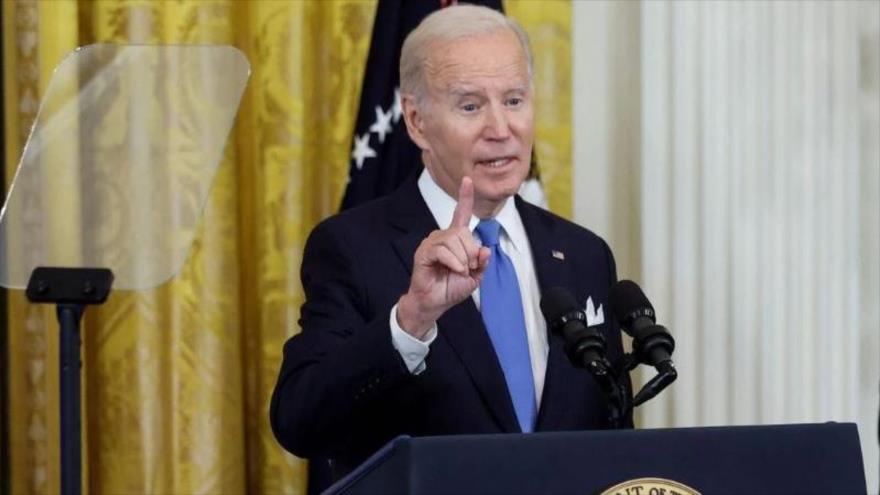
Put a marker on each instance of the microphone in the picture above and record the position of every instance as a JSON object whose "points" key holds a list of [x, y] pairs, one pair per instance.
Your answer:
{"points": [[652, 343], [584, 346]]}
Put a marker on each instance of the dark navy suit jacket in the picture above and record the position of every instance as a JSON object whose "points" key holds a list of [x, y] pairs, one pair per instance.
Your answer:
{"points": [[343, 389]]}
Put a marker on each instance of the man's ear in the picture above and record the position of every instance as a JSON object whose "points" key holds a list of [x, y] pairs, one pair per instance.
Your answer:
{"points": [[415, 121]]}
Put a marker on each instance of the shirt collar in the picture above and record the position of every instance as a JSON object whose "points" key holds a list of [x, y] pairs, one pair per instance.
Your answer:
{"points": [[442, 206]]}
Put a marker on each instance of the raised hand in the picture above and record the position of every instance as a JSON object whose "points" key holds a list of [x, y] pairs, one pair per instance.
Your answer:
{"points": [[447, 268]]}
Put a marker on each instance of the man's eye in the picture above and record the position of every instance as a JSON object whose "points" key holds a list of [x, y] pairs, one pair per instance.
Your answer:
{"points": [[514, 102], [469, 107]]}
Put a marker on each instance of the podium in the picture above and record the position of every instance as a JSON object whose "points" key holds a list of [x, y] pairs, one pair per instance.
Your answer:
{"points": [[784, 459]]}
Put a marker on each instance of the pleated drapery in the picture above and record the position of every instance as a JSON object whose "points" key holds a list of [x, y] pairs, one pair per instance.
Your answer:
{"points": [[177, 379], [735, 149]]}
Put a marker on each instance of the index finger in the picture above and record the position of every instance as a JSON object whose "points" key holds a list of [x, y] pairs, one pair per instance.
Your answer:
{"points": [[461, 217]]}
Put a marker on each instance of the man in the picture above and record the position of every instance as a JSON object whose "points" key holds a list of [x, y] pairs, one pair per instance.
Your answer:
{"points": [[414, 324]]}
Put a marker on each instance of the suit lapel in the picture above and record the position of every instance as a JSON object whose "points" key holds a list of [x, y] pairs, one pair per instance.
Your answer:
{"points": [[551, 272], [408, 213], [462, 326]]}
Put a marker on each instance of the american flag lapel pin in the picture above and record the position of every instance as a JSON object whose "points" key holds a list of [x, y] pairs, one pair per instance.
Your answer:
{"points": [[558, 254]]}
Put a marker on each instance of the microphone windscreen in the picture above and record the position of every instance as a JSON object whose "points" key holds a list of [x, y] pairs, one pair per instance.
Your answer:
{"points": [[628, 300], [556, 303]]}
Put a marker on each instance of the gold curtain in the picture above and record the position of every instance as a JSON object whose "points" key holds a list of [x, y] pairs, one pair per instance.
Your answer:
{"points": [[176, 380]]}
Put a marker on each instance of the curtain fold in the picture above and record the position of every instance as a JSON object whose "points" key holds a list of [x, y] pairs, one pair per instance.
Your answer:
{"points": [[177, 379], [743, 157]]}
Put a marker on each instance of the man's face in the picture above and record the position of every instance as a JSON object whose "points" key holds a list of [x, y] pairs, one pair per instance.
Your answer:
{"points": [[476, 118]]}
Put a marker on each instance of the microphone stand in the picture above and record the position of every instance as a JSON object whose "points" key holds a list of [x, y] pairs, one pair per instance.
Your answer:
{"points": [[666, 374], [617, 392], [653, 345]]}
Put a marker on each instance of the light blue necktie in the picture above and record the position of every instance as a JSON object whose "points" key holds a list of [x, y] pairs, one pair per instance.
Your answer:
{"points": [[501, 307]]}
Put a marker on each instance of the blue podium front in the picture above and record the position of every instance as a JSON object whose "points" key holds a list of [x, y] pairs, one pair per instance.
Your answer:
{"points": [[784, 459]]}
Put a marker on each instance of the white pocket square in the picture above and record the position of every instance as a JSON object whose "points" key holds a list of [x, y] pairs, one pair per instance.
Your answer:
{"points": [[594, 316]]}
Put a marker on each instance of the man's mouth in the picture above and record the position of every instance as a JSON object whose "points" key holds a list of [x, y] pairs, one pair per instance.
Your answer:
{"points": [[496, 162]]}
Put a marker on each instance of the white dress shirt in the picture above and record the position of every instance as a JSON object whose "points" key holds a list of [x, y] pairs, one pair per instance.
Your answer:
{"points": [[515, 244]]}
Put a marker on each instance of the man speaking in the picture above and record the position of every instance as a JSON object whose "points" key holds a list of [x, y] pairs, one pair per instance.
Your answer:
{"points": [[422, 308]]}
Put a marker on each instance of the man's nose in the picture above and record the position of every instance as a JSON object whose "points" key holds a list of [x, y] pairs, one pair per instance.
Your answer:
{"points": [[497, 126]]}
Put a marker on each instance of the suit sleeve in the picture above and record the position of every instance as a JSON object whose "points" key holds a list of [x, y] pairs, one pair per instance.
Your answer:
{"points": [[335, 373]]}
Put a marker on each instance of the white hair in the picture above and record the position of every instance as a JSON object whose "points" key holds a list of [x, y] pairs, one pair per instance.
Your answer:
{"points": [[450, 24]]}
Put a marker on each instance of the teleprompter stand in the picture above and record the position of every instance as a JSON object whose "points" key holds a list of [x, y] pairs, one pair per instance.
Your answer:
{"points": [[71, 290], [111, 186]]}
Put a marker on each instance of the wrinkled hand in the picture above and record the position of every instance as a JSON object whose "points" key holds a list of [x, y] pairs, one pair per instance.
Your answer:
{"points": [[447, 268]]}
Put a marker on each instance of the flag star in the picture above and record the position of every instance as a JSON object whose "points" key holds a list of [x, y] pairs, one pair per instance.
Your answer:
{"points": [[362, 150], [382, 126], [397, 109]]}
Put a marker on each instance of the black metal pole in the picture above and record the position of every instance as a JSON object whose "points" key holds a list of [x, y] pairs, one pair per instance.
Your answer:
{"points": [[71, 289], [69, 316]]}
